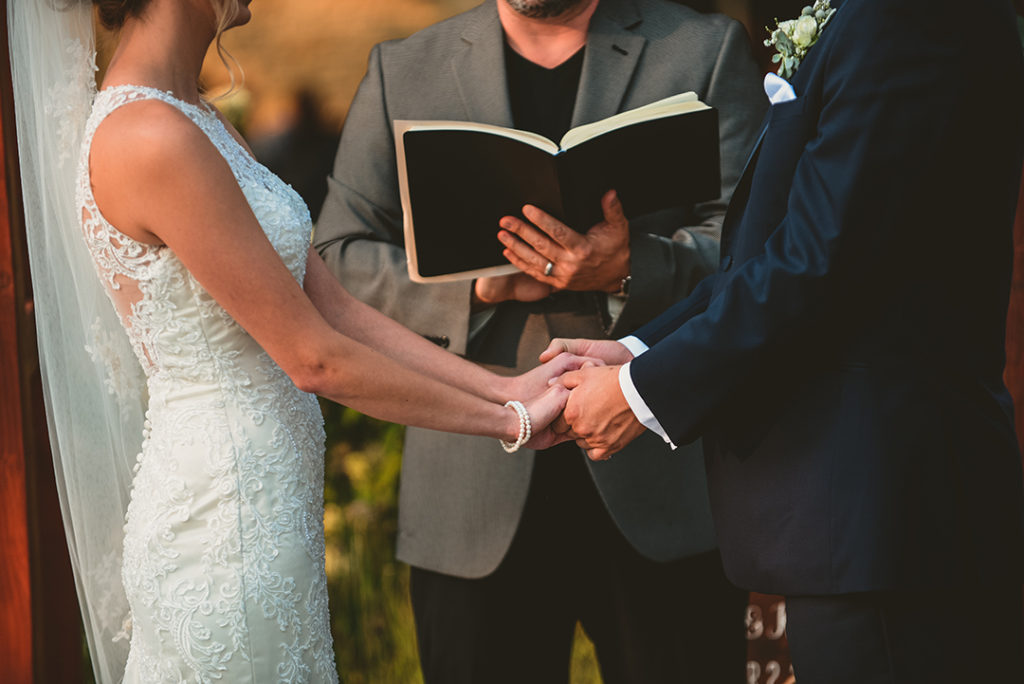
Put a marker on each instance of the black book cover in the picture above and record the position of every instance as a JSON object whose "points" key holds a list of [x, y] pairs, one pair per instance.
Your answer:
{"points": [[457, 183]]}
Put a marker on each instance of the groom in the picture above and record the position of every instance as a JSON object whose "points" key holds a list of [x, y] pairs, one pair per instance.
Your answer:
{"points": [[844, 363]]}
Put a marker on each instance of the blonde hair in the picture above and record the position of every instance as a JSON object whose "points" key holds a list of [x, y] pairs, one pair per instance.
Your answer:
{"points": [[225, 13]]}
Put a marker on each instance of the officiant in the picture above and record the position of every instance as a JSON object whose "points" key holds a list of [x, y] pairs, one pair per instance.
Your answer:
{"points": [[508, 553]]}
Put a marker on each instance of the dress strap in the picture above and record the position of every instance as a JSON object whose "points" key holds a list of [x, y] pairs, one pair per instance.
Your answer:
{"points": [[111, 99], [115, 253]]}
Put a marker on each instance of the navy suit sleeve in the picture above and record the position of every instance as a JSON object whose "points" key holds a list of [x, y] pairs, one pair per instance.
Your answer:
{"points": [[680, 312], [888, 141]]}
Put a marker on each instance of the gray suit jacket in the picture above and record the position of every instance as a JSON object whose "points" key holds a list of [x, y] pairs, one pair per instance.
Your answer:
{"points": [[461, 497]]}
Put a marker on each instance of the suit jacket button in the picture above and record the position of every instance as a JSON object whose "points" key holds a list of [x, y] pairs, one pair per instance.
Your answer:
{"points": [[726, 262]]}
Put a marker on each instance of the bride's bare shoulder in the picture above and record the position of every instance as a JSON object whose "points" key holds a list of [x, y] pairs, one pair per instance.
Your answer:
{"points": [[141, 133], [140, 151]]}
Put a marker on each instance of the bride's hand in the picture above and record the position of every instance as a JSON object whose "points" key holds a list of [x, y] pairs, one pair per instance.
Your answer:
{"points": [[543, 410], [536, 381]]}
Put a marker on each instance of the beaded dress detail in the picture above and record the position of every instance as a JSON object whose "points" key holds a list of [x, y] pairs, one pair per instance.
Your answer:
{"points": [[224, 541]]}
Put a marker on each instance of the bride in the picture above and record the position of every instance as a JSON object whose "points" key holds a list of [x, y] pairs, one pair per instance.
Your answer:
{"points": [[236, 323]]}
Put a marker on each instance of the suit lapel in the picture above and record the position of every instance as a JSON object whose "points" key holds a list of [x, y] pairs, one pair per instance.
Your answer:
{"points": [[613, 52], [480, 69], [742, 191]]}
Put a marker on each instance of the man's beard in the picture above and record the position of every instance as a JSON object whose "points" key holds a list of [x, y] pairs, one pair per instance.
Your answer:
{"points": [[543, 9]]}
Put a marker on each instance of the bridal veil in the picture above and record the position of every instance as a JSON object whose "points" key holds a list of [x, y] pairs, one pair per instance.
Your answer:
{"points": [[92, 383]]}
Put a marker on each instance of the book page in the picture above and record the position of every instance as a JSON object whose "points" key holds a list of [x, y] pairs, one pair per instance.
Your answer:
{"points": [[489, 272], [534, 139], [670, 106]]}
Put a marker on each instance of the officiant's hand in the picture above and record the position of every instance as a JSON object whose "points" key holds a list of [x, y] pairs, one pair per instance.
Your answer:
{"points": [[596, 261], [597, 415], [518, 287]]}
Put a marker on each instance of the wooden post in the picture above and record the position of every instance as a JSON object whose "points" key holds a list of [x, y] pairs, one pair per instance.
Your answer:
{"points": [[767, 648], [40, 624], [1014, 374], [15, 594], [1015, 325]]}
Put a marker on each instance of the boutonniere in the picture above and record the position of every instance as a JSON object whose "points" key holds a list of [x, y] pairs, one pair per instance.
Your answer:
{"points": [[795, 37]]}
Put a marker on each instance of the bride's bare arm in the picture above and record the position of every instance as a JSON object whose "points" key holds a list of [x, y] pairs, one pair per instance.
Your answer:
{"points": [[158, 178], [362, 322]]}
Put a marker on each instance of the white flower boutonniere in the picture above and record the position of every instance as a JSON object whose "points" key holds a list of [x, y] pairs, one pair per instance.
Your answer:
{"points": [[795, 37]]}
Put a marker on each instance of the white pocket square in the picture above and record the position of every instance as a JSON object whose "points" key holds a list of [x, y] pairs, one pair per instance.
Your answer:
{"points": [[778, 89]]}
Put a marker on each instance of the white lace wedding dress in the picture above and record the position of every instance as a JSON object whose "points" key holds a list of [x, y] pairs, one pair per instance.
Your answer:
{"points": [[224, 540]]}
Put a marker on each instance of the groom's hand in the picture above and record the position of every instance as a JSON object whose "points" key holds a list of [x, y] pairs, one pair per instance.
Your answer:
{"points": [[597, 413], [609, 351]]}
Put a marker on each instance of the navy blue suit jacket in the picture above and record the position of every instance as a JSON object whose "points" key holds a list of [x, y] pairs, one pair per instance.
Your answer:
{"points": [[844, 365]]}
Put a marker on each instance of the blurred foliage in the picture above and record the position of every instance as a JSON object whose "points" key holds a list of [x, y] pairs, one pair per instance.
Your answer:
{"points": [[374, 635], [584, 669]]}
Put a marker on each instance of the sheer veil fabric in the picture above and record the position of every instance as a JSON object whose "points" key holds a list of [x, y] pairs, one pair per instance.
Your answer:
{"points": [[93, 385]]}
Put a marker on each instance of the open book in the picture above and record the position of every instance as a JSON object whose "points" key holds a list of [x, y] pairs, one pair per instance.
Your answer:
{"points": [[458, 178]]}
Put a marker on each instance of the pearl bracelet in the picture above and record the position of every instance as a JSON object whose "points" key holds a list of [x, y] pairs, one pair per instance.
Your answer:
{"points": [[525, 428]]}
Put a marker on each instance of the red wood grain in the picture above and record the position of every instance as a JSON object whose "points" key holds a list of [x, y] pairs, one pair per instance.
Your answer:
{"points": [[1014, 374], [40, 626], [15, 589]]}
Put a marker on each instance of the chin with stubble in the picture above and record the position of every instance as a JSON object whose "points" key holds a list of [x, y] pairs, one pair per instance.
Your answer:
{"points": [[544, 9]]}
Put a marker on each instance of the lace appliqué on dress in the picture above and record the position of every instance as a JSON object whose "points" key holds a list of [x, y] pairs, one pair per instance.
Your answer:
{"points": [[224, 547]]}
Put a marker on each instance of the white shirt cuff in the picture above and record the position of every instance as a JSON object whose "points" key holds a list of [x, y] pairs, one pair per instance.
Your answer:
{"points": [[637, 403], [634, 344]]}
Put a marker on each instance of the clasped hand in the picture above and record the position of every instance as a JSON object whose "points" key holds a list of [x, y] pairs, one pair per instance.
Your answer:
{"points": [[583, 376]]}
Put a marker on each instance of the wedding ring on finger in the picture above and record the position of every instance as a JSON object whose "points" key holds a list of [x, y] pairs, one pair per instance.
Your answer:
{"points": [[549, 268]]}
